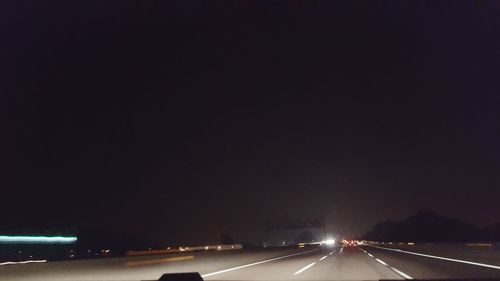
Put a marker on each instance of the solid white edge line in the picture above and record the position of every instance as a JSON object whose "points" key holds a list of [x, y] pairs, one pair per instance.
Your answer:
{"points": [[323, 258], [255, 263], [381, 261], [304, 268], [441, 258], [401, 273], [21, 262]]}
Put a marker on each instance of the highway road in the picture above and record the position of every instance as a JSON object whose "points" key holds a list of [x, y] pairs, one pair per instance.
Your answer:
{"points": [[339, 263]]}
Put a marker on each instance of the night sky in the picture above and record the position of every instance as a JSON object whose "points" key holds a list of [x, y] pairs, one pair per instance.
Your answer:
{"points": [[177, 121]]}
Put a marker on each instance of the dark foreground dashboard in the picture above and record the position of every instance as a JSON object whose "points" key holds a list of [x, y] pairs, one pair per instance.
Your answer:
{"points": [[194, 276]]}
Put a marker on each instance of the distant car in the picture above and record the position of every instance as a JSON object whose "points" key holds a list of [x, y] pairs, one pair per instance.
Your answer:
{"points": [[350, 242]]}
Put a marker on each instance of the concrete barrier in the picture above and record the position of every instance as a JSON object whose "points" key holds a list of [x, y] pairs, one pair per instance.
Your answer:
{"points": [[185, 249]]}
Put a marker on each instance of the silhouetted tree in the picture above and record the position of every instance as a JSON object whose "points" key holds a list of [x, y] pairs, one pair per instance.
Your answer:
{"points": [[226, 239], [492, 232], [425, 226], [304, 237]]}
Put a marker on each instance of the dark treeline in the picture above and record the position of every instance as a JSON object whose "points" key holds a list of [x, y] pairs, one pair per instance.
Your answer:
{"points": [[427, 226]]}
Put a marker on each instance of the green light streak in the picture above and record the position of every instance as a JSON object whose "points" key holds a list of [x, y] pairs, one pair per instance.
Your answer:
{"points": [[14, 239]]}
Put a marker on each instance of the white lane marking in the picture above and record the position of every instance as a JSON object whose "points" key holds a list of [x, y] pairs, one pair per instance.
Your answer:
{"points": [[341, 250], [255, 263], [21, 262], [304, 268], [310, 265], [406, 276], [401, 273], [331, 253], [441, 258]]}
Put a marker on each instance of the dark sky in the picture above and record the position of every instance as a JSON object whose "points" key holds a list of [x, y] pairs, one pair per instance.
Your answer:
{"points": [[176, 121]]}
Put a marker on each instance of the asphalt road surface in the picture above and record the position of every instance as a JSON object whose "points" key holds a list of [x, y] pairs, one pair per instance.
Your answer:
{"points": [[339, 263]]}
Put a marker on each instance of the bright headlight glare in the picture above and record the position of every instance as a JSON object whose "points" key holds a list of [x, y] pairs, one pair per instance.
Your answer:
{"points": [[329, 241]]}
